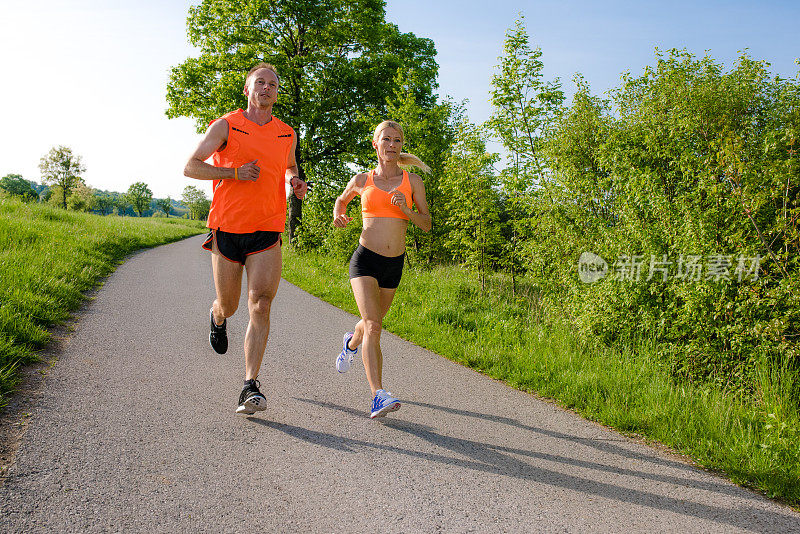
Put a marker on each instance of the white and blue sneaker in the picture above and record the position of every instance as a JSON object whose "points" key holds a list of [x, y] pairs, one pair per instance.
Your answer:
{"points": [[383, 403], [345, 358]]}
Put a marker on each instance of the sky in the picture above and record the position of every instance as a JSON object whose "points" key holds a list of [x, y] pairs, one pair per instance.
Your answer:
{"points": [[92, 74]]}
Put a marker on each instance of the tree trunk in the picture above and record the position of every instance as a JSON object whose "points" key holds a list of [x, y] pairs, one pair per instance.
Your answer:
{"points": [[295, 204], [295, 215]]}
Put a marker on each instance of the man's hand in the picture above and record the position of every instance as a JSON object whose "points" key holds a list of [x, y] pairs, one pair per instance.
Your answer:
{"points": [[249, 171], [299, 187]]}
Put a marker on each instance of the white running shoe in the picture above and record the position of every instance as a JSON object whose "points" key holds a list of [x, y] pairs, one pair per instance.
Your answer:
{"points": [[345, 358], [383, 403]]}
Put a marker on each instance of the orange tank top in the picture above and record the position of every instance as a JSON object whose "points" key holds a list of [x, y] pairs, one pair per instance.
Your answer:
{"points": [[375, 202], [242, 207]]}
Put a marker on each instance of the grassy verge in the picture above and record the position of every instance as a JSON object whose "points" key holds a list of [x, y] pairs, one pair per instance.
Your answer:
{"points": [[48, 258], [755, 442]]}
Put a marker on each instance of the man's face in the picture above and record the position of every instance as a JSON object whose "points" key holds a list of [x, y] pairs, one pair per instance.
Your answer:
{"points": [[262, 88]]}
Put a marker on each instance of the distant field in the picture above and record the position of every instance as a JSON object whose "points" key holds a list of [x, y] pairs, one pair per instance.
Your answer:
{"points": [[48, 258]]}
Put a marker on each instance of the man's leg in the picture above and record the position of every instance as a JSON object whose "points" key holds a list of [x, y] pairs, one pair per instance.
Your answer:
{"points": [[228, 283], [263, 276]]}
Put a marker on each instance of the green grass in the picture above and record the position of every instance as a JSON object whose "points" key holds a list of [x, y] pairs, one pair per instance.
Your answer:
{"points": [[49, 258], [754, 441]]}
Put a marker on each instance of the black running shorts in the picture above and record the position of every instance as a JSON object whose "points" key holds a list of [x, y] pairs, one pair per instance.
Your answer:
{"points": [[236, 247], [387, 271]]}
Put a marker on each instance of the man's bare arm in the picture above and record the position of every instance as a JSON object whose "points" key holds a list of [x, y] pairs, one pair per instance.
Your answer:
{"points": [[216, 136]]}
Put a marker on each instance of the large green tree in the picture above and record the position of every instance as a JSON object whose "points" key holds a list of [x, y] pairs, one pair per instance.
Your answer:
{"points": [[690, 171], [524, 104], [139, 196], [60, 167], [524, 108], [337, 60]]}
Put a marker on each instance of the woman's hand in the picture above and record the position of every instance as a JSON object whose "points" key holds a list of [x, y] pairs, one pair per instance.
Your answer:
{"points": [[341, 220], [399, 199]]}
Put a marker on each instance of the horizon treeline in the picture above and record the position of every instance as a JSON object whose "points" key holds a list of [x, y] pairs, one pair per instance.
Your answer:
{"points": [[138, 200]]}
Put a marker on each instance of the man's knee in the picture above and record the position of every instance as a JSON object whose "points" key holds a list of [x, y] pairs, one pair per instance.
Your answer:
{"points": [[260, 301], [227, 308]]}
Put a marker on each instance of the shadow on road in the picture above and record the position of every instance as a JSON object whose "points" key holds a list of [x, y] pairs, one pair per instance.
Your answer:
{"points": [[603, 445], [505, 461]]}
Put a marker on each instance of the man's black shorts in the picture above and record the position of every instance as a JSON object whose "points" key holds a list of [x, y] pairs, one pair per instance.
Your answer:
{"points": [[386, 270], [236, 247]]}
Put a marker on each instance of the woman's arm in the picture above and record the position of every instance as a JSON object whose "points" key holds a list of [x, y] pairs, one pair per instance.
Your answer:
{"points": [[421, 217], [353, 187]]}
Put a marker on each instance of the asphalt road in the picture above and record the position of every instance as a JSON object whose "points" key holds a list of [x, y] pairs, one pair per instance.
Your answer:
{"points": [[134, 430]]}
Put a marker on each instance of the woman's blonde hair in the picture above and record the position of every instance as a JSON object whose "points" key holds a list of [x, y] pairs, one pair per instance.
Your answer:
{"points": [[405, 159]]}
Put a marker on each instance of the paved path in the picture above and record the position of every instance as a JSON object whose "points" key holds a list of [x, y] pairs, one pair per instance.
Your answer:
{"points": [[135, 432]]}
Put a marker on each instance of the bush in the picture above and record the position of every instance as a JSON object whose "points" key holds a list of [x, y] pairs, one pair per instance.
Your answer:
{"points": [[695, 162]]}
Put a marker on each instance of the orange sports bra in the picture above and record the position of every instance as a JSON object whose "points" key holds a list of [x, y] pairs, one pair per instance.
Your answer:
{"points": [[375, 202]]}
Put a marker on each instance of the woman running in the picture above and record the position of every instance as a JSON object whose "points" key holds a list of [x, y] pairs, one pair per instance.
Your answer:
{"points": [[387, 194]]}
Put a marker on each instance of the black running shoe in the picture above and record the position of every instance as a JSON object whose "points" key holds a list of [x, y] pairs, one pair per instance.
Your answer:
{"points": [[251, 400], [218, 336]]}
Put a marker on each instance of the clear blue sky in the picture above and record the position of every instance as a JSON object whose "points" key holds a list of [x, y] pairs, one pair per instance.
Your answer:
{"points": [[91, 74]]}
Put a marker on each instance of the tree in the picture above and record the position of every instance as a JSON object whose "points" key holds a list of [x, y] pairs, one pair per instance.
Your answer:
{"points": [[686, 164], [165, 204], [60, 167], [139, 196], [121, 203], [16, 185], [46, 195], [524, 108], [337, 60], [55, 197], [524, 105], [197, 202], [473, 223], [82, 198], [104, 203]]}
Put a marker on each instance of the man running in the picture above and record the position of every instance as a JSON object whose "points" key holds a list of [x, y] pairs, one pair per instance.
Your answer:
{"points": [[253, 158]]}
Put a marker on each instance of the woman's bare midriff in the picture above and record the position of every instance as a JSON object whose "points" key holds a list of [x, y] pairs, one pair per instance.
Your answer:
{"points": [[384, 235]]}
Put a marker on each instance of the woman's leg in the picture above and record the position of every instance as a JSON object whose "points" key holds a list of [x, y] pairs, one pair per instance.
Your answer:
{"points": [[373, 303], [386, 302]]}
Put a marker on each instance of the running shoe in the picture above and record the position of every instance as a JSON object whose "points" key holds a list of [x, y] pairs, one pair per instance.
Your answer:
{"points": [[218, 336], [251, 400], [383, 403], [345, 358]]}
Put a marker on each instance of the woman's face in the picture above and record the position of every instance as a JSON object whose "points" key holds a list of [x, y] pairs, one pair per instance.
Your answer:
{"points": [[388, 144]]}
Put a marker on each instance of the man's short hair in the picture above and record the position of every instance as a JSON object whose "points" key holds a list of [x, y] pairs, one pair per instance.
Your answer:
{"points": [[262, 65]]}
